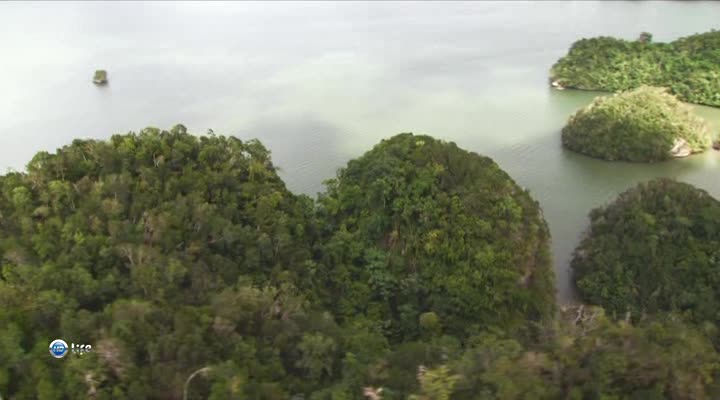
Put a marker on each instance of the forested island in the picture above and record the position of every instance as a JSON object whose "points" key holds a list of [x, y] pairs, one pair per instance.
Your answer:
{"points": [[423, 272], [646, 124], [656, 248], [689, 66]]}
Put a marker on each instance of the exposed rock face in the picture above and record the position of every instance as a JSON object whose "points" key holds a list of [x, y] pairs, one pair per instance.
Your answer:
{"points": [[680, 148]]}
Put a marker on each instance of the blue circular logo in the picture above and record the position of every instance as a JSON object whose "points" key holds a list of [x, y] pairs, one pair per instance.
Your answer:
{"points": [[58, 348]]}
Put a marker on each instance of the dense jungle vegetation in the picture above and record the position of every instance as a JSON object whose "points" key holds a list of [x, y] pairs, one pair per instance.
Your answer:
{"points": [[644, 124], [423, 272], [656, 248], [420, 226], [689, 66]]}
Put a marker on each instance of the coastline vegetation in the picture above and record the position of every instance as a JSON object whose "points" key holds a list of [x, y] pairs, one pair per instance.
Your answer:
{"points": [[689, 67], [655, 249], [417, 225], [645, 124]]}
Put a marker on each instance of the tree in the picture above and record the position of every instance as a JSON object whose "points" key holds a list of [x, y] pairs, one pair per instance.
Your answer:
{"points": [[317, 355], [645, 37], [435, 384]]}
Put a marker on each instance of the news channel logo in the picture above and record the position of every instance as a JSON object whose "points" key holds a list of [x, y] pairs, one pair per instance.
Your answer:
{"points": [[59, 348]]}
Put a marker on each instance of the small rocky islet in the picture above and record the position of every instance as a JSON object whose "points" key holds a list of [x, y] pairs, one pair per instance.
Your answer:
{"points": [[646, 124], [100, 77]]}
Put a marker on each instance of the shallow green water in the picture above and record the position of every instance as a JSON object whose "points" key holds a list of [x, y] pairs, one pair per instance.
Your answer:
{"points": [[320, 83]]}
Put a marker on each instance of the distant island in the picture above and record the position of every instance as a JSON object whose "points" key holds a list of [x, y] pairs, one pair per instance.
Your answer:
{"points": [[689, 67], [100, 77], [646, 124]]}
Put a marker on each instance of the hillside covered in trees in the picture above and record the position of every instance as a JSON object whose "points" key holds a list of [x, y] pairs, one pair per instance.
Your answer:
{"points": [[423, 272], [656, 248], [644, 124], [161, 249], [689, 66], [417, 225]]}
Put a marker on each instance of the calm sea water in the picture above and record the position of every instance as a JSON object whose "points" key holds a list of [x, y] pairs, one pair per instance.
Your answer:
{"points": [[320, 83]]}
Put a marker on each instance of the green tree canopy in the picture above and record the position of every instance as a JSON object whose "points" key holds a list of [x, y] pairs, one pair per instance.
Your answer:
{"points": [[655, 248], [161, 248], [419, 225], [422, 273], [645, 124], [689, 67], [585, 357]]}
